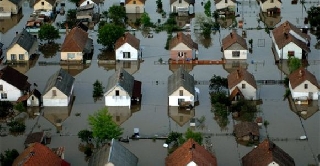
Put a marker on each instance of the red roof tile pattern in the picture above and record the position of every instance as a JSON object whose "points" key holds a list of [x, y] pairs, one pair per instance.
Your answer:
{"points": [[265, 153], [128, 38], [188, 152], [39, 155], [233, 38], [182, 38], [300, 75], [239, 75], [14, 78], [75, 40]]}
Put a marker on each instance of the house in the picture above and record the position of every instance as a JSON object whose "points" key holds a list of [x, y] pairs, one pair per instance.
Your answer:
{"points": [[303, 85], [122, 89], [76, 46], [85, 13], [58, 90], [191, 153], [289, 41], [113, 154], [32, 98], [82, 3], [181, 89], [134, 6], [242, 84], [234, 47], [22, 47], [8, 7], [267, 153], [246, 131], [223, 6], [38, 137], [182, 7], [180, 116], [182, 47], [13, 84], [127, 47], [270, 6], [45, 5], [38, 154]]}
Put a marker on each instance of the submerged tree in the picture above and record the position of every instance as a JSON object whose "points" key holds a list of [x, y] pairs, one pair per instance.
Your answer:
{"points": [[48, 32], [294, 64], [108, 35], [6, 107], [217, 83], [207, 9], [117, 14], [8, 157], [97, 89], [85, 135]]}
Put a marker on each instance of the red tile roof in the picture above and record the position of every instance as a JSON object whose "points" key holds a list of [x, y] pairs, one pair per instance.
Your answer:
{"points": [[188, 152], [265, 153], [239, 75], [233, 38], [39, 155], [75, 41], [128, 38], [182, 38], [300, 75]]}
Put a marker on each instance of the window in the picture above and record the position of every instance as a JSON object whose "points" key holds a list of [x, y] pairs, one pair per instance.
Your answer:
{"points": [[235, 54], [225, 1], [305, 86], [3, 95], [271, 1], [126, 55], [71, 55], [117, 118], [290, 53], [1, 87], [181, 54], [13, 57], [42, 3], [32, 98], [54, 93], [134, 2], [21, 56], [180, 1], [243, 86], [181, 92], [117, 92]]}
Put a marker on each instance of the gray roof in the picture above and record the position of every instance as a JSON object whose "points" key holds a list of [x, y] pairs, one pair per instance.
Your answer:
{"points": [[180, 78], [15, 1], [114, 153], [24, 39], [62, 80], [126, 82]]}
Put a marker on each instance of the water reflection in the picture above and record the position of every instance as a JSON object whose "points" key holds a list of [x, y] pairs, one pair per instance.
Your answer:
{"points": [[182, 21], [132, 18], [49, 50], [121, 114], [187, 67], [225, 22], [25, 66], [180, 116], [270, 21], [6, 23], [306, 110], [74, 69], [232, 65], [56, 115]]}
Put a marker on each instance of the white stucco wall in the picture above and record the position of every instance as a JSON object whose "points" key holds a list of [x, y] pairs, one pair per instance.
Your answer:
{"points": [[273, 164], [300, 93], [132, 8], [289, 47], [228, 54], [187, 96], [249, 93], [17, 49], [13, 93], [222, 4], [177, 5], [78, 56], [59, 100], [134, 53], [267, 5], [46, 6], [122, 100], [34, 103]]}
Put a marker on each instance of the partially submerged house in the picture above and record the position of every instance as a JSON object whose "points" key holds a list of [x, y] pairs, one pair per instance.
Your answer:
{"points": [[267, 153], [182, 47], [246, 131], [127, 47], [45, 5], [134, 6], [191, 153], [234, 47], [289, 41], [182, 7], [31, 99], [122, 89], [59, 89], [270, 6], [225, 7], [86, 13], [8, 7]]}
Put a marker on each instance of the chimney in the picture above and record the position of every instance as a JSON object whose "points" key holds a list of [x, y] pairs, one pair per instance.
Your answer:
{"points": [[231, 34], [17, 33], [67, 29], [300, 73], [121, 76], [238, 73]]}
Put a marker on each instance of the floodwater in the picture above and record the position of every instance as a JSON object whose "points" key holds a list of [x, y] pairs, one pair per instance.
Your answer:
{"points": [[152, 118]]}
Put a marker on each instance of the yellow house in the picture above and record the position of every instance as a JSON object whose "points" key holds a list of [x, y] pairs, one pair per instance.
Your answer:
{"points": [[47, 5], [10, 6], [134, 6], [22, 47]]}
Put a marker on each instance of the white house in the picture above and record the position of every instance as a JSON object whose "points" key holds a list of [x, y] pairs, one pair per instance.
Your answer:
{"points": [[83, 3], [32, 98], [134, 6], [242, 84], [181, 89], [234, 47], [270, 6], [182, 7], [288, 41], [122, 89], [46, 5], [303, 85], [127, 47], [225, 4], [13, 84], [59, 89]]}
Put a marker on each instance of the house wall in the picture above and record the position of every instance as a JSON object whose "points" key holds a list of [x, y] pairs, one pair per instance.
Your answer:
{"points": [[10, 7], [134, 53], [300, 93], [181, 48], [187, 96], [249, 93], [59, 100], [46, 6], [289, 47], [222, 4], [78, 56], [122, 100], [17, 49], [86, 3], [34, 103], [13, 93], [267, 5], [235, 47], [175, 5], [134, 8]]}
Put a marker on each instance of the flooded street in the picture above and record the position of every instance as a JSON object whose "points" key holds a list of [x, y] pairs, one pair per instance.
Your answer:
{"points": [[153, 116]]}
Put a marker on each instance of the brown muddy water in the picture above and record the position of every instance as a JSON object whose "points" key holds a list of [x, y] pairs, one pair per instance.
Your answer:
{"points": [[153, 117]]}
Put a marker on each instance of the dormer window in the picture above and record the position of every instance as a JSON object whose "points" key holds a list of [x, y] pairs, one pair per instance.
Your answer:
{"points": [[243, 86], [54, 93]]}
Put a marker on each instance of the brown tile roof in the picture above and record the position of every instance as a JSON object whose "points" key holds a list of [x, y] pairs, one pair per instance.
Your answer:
{"points": [[300, 75], [282, 40], [52, 2], [246, 128], [191, 151], [38, 155], [235, 92], [265, 153], [182, 38], [34, 92], [237, 76], [75, 41], [15, 78], [233, 38], [34, 137], [128, 38], [142, 1]]}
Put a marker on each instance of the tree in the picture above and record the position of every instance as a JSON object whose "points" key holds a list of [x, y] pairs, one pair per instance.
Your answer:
{"points": [[20, 107], [8, 157], [48, 32], [16, 127], [145, 20], [220, 97], [97, 89], [217, 83], [196, 136], [6, 107], [314, 16], [108, 35], [294, 64], [168, 41], [85, 135], [207, 8], [103, 127], [117, 14]]}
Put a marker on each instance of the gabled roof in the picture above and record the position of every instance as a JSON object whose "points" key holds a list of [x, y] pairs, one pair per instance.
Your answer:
{"points": [[181, 78], [182, 38], [123, 79], [62, 80], [16, 1], [300, 75], [218, 1], [52, 2], [233, 38], [188, 152], [239, 75], [263, 1], [128, 38], [246, 128], [142, 1], [34, 92], [15, 78], [265, 153], [24, 39], [38, 154], [188, 1], [282, 36], [75, 40], [114, 153]]}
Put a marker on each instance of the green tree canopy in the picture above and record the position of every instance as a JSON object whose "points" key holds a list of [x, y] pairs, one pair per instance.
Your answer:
{"points": [[294, 64], [145, 20], [8, 157], [97, 89], [217, 83], [108, 35], [207, 8], [48, 32], [117, 14], [196, 136], [85, 135], [103, 127]]}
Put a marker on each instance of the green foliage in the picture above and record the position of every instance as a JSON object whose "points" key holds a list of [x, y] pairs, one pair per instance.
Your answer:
{"points": [[294, 64], [145, 20], [220, 97], [215, 16], [8, 157], [217, 83], [71, 15], [287, 93], [266, 123], [108, 35], [207, 8], [168, 41], [196, 136], [48, 32], [117, 14], [137, 22], [286, 81], [103, 127], [85, 135], [250, 42], [49, 49], [97, 89], [173, 138], [171, 24], [159, 4], [20, 107], [314, 16], [88, 151], [5, 108], [16, 127]]}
